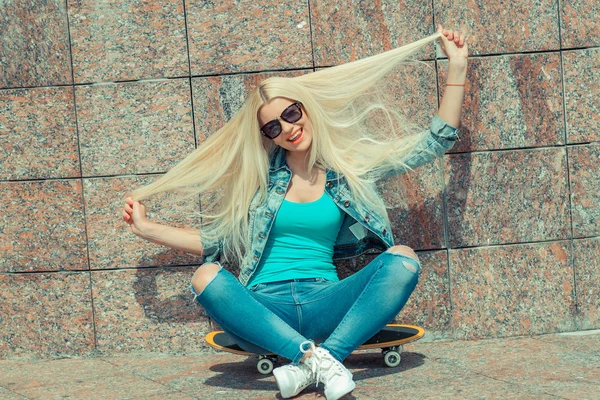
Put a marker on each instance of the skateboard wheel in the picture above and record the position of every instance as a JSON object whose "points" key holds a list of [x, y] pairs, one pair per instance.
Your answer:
{"points": [[265, 366], [392, 358]]}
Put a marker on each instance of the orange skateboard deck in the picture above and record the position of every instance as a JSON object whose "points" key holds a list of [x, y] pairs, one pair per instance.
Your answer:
{"points": [[390, 340]]}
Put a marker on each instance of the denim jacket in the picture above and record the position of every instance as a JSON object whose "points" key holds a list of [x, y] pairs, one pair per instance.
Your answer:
{"points": [[362, 228]]}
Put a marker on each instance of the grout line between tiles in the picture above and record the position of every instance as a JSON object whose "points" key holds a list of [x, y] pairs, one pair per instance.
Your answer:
{"points": [[474, 56], [442, 162], [538, 148], [575, 312], [492, 246], [81, 178], [521, 386], [142, 376], [189, 62], [99, 270], [13, 392], [312, 43]]}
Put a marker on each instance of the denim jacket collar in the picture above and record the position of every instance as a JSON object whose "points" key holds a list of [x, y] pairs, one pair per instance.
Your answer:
{"points": [[277, 159]]}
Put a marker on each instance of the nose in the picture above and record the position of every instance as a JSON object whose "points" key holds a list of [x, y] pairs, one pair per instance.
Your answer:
{"points": [[286, 127]]}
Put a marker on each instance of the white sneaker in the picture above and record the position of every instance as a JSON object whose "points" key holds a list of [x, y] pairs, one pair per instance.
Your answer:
{"points": [[292, 379], [336, 378]]}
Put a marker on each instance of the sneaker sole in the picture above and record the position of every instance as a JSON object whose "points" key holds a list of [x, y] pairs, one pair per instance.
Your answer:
{"points": [[334, 395]]}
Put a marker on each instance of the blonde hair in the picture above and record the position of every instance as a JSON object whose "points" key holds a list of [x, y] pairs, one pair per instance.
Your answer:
{"points": [[354, 133]]}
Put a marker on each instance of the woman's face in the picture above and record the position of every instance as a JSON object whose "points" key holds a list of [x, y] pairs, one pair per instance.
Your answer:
{"points": [[301, 130]]}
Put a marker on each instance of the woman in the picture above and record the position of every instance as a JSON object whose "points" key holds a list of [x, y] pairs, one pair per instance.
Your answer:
{"points": [[291, 178]]}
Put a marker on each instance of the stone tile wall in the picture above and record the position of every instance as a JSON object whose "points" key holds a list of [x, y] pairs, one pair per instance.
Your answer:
{"points": [[97, 98]]}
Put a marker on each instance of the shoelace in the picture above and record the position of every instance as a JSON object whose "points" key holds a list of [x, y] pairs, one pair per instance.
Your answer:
{"points": [[331, 366], [315, 365], [319, 364]]}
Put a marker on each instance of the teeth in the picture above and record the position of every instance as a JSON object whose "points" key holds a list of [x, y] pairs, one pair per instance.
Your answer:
{"points": [[295, 136]]}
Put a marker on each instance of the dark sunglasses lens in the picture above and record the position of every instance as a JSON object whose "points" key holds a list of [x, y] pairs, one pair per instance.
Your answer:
{"points": [[292, 114], [272, 129]]}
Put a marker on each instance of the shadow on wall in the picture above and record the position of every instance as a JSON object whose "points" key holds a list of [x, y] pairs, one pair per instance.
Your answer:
{"points": [[176, 307]]}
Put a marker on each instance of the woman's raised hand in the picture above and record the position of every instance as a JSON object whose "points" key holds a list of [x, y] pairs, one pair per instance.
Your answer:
{"points": [[134, 213], [454, 44]]}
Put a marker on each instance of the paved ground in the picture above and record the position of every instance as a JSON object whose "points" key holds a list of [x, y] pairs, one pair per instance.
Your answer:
{"points": [[561, 366]]}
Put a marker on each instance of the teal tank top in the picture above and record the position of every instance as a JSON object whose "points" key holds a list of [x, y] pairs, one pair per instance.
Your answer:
{"points": [[300, 244]]}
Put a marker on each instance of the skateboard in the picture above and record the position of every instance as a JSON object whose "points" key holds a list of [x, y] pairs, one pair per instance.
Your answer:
{"points": [[390, 340]]}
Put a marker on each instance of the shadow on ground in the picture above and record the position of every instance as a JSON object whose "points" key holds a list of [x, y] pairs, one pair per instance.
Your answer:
{"points": [[244, 375]]}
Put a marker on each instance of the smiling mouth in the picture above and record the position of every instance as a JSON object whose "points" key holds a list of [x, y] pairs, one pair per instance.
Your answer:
{"points": [[295, 135]]}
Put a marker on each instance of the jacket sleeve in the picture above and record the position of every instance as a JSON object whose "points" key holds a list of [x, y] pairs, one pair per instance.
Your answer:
{"points": [[440, 138], [212, 250]]}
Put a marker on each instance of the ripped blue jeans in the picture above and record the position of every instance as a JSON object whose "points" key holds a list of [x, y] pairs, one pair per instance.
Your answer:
{"points": [[277, 317]]}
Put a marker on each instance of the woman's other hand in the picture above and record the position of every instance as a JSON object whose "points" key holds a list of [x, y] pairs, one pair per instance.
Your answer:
{"points": [[454, 45], [134, 213]]}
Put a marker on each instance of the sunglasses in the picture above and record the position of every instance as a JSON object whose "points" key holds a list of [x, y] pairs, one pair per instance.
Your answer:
{"points": [[291, 114]]}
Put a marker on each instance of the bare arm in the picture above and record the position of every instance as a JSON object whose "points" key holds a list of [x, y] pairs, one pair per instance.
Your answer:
{"points": [[184, 239], [451, 105], [134, 213]]}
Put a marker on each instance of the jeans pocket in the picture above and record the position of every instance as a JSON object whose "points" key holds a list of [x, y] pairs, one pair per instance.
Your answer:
{"points": [[257, 287]]}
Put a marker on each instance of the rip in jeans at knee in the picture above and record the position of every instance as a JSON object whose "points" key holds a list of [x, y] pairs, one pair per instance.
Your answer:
{"points": [[191, 287], [407, 264], [194, 292]]}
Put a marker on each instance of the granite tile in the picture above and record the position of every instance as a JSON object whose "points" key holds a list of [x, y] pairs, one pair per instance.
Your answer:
{"points": [[428, 370], [234, 377], [248, 36], [416, 213], [197, 374], [134, 128], [429, 305], [349, 30], [415, 198], [507, 197], [127, 40], [112, 244], [579, 24], [536, 366], [582, 103], [586, 254], [45, 315], [513, 290], [6, 394], [580, 345], [147, 310], [455, 387], [39, 136], [584, 174], [410, 90], [510, 102], [217, 99], [417, 216], [417, 376], [502, 27], [34, 44], [349, 266], [82, 378], [42, 226], [543, 367]]}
